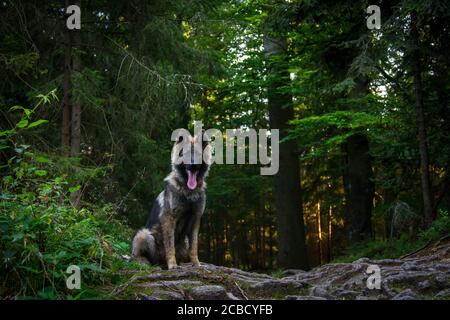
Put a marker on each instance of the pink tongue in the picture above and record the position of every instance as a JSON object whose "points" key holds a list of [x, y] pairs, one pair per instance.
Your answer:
{"points": [[192, 180]]}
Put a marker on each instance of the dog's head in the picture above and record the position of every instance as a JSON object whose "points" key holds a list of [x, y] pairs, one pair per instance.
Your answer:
{"points": [[191, 158]]}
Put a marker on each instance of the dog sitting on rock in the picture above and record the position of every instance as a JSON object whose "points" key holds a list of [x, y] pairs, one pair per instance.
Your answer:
{"points": [[171, 231]]}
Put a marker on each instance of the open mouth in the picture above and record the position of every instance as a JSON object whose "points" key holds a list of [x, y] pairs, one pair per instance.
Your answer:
{"points": [[192, 180]]}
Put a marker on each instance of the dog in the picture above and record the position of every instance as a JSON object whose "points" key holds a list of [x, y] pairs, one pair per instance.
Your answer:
{"points": [[171, 231]]}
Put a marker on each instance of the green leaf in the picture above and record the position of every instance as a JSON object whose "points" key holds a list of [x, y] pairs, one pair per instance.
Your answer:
{"points": [[91, 266], [47, 293], [42, 159], [21, 149], [22, 123], [16, 108], [37, 123], [8, 179], [8, 254], [40, 173], [17, 237], [75, 188], [7, 133]]}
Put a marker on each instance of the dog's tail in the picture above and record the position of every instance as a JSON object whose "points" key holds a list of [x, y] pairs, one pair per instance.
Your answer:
{"points": [[144, 247]]}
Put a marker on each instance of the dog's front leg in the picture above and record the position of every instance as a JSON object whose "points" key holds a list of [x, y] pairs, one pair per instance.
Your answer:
{"points": [[193, 236], [168, 231], [193, 242]]}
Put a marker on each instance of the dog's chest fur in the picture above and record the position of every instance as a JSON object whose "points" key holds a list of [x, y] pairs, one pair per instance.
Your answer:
{"points": [[180, 203]]}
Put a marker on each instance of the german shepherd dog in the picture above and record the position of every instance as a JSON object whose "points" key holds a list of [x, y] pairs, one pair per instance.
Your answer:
{"points": [[171, 231]]}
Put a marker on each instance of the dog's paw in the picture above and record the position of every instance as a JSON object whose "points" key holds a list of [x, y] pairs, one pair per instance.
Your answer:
{"points": [[172, 266], [196, 263]]}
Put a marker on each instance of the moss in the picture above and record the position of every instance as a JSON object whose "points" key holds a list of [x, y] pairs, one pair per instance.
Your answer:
{"points": [[277, 273]]}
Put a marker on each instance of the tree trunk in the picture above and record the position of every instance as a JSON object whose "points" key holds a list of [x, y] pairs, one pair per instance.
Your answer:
{"points": [[358, 189], [75, 138], [256, 239], [357, 177], [75, 123], [207, 236], [270, 247], [67, 90], [290, 224], [329, 236], [319, 234], [263, 233], [422, 133]]}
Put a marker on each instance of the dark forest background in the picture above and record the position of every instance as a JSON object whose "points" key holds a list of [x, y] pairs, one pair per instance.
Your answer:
{"points": [[86, 117]]}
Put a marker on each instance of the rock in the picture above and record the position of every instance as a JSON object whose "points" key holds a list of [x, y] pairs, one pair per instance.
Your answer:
{"points": [[410, 266], [144, 296], [443, 267], [175, 283], [279, 285], [292, 272], [443, 281], [209, 293], [231, 296], [443, 294], [407, 294], [354, 283], [423, 285], [420, 276], [167, 295], [291, 297], [320, 291], [387, 262], [348, 294]]}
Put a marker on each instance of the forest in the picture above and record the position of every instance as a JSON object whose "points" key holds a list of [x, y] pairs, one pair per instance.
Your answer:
{"points": [[87, 113]]}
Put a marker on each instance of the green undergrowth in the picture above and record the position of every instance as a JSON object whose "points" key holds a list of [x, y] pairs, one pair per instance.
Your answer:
{"points": [[42, 234], [395, 248]]}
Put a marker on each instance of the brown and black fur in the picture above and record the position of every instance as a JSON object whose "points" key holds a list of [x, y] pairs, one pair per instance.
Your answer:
{"points": [[171, 232]]}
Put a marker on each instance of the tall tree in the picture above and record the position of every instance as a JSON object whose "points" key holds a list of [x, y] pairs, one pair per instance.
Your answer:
{"points": [[75, 120], [358, 188], [75, 123], [416, 70], [357, 175], [332, 43], [67, 89], [288, 203]]}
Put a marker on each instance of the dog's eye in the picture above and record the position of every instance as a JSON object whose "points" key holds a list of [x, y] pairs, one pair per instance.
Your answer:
{"points": [[180, 154]]}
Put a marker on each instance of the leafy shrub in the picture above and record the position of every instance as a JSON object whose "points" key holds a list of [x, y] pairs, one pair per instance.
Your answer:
{"points": [[395, 248], [438, 229], [41, 234]]}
